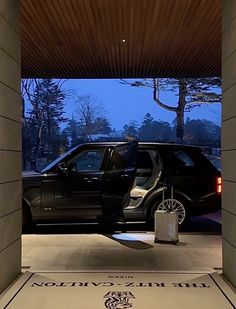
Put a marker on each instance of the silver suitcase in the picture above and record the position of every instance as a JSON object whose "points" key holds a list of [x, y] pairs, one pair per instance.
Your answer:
{"points": [[166, 225]]}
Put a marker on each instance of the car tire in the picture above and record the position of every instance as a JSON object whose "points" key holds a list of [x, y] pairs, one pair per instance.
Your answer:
{"points": [[180, 205], [26, 219]]}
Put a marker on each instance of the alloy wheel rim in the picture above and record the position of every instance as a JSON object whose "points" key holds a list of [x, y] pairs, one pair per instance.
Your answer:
{"points": [[173, 205]]}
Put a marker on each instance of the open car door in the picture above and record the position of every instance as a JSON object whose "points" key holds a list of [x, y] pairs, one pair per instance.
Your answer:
{"points": [[119, 179]]}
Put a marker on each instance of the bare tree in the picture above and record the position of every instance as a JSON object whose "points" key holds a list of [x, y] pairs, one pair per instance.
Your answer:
{"points": [[88, 110]]}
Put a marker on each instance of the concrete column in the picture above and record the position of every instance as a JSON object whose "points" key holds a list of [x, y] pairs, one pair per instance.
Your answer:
{"points": [[229, 138], [10, 143]]}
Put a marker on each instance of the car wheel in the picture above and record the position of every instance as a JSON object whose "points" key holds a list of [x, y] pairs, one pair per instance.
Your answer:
{"points": [[26, 219], [176, 204]]}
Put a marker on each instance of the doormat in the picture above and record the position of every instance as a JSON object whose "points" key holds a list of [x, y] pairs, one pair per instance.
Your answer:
{"points": [[117, 290]]}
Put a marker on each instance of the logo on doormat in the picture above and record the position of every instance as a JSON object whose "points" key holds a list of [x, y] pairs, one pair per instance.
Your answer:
{"points": [[118, 299]]}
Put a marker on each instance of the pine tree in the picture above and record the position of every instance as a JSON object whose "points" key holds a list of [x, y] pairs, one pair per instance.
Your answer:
{"points": [[191, 92], [72, 132], [146, 130], [130, 130], [45, 117], [101, 126]]}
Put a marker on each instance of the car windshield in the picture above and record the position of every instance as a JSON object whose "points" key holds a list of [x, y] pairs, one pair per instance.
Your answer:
{"points": [[57, 160]]}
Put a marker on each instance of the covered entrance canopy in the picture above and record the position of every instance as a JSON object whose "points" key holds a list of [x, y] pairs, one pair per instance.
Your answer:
{"points": [[120, 38]]}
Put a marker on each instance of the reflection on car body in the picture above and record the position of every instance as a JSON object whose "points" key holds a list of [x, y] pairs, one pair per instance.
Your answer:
{"points": [[96, 180]]}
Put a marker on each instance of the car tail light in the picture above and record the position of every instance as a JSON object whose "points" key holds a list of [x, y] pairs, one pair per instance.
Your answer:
{"points": [[218, 185]]}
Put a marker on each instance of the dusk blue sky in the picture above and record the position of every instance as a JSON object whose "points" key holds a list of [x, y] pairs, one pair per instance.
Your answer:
{"points": [[123, 103]]}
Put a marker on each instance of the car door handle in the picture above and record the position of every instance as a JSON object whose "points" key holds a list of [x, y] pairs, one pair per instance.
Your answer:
{"points": [[124, 176], [87, 179], [90, 179]]}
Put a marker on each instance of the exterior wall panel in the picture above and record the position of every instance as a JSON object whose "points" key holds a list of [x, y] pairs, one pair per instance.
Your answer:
{"points": [[229, 199], [229, 222], [10, 229], [11, 140], [9, 40], [9, 71], [228, 139], [10, 261], [10, 143], [229, 109], [10, 10], [228, 69], [229, 257], [10, 166], [10, 202]]}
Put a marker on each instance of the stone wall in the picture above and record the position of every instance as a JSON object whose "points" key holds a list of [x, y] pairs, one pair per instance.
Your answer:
{"points": [[10, 143], [229, 138]]}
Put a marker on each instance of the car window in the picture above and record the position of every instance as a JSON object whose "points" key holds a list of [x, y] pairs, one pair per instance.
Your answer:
{"points": [[90, 160], [144, 160], [118, 160], [202, 163], [60, 159], [178, 160], [124, 156], [184, 159]]}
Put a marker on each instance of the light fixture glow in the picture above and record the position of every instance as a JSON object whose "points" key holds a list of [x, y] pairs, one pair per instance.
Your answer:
{"points": [[124, 40]]}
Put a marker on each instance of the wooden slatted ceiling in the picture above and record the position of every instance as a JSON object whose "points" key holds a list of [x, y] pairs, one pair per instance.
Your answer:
{"points": [[83, 38]]}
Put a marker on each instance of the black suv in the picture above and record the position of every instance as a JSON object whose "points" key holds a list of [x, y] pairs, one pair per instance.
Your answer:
{"points": [[96, 179]]}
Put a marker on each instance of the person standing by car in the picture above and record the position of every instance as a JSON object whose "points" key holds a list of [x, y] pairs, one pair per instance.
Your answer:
{"points": [[122, 159]]}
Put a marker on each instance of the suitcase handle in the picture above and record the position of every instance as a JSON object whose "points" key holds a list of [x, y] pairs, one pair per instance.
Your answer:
{"points": [[171, 195]]}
